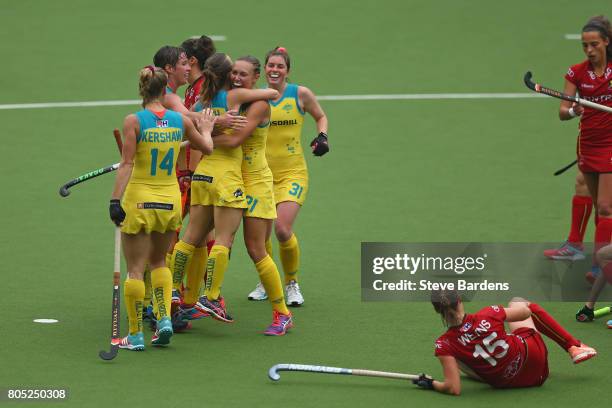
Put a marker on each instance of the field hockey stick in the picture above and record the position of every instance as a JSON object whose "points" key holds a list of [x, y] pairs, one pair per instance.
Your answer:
{"points": [[602, 312], [566, 168], [274, 376], [117, 135], [65, 189], [556, 94], [115, 337]]}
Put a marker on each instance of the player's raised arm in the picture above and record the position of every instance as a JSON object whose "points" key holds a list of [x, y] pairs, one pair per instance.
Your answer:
{"points": [[239, 96]]}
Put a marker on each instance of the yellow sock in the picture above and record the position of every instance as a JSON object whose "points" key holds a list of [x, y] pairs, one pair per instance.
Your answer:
{"points": [[181, 257], [161, 280], [215, 270], [290, 258], [269, 247], [195, 273], [133, 293], [270, 279]]}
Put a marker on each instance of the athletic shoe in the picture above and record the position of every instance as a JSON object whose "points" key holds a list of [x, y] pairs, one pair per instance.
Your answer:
{"points": [[134, 342], [294, 296], [592, 275], [162, 335], [259, 293], [193, 312], [581, 353], [567, 252], [216, 308], [281, 323]]}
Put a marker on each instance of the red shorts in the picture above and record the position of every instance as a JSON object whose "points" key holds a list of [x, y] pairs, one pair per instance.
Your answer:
{"points": [[594, 160], [534, 370]]}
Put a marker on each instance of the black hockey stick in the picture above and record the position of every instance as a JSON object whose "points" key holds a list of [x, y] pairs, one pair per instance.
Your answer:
{"points": [[115, 336], [566, 168], [556, 94], [64, 190]]}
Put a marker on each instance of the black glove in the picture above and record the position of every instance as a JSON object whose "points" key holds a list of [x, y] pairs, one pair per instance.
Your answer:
{"points": [[585, 314], [424, 381], [319, 144], [117, 214]]}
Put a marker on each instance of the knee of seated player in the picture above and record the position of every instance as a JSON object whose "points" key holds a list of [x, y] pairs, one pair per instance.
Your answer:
{"points": [[515, 301]]}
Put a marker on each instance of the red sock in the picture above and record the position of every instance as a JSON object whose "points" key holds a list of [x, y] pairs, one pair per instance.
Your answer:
{"points": [[603, 232], [547, 325], [581, 211], [209, 245]]}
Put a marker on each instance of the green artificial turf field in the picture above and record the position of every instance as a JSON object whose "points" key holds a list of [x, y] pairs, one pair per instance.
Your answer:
{"points": [[398, 171]]}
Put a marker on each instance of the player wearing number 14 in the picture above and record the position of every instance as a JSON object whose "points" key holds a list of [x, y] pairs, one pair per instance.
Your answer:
{"points": [[479, 345]]}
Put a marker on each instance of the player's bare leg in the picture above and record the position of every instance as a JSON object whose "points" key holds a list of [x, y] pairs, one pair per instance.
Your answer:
{"points": [[287, 212]]}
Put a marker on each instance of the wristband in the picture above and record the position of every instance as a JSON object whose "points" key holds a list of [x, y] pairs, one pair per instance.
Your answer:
{"points": [[571, 112]]}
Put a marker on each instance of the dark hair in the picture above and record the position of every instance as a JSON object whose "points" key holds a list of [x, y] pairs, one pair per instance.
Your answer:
{"points": [[167, 55], [201, 48], [445, 302], [253, 61], [281, 52], [216, 76], [602, 25], [152, 83]]}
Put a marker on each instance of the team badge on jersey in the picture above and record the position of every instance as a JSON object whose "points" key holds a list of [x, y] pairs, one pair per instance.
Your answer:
{"points": [[161, 123], [466, 327], [287, 107]]}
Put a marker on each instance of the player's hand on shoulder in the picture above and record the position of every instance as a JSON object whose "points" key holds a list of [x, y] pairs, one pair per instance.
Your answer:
{"points": [[320, 144], [117, 215], [424, 381], [231, 120]]}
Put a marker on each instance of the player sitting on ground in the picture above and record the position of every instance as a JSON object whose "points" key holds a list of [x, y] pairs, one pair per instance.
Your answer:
{"points": [[480, 345]]}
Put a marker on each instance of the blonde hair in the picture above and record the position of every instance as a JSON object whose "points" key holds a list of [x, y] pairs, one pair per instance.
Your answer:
{"points": [[152, 83]]}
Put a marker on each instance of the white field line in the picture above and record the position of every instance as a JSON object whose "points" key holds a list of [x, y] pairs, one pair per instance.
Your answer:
{"points": [[390, 97], [573, 36], [213, 37]]}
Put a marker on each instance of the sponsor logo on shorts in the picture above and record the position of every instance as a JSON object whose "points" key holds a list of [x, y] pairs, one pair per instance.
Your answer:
{"points": [[202, 177], [238, 193], [154, 206]]}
